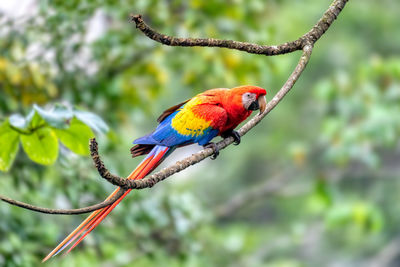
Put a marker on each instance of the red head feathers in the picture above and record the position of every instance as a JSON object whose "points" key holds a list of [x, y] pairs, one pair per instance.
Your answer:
{"points": [[238, 103]]}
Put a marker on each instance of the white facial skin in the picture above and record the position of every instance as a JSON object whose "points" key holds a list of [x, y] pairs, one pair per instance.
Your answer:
{"points": [[247, 99]]}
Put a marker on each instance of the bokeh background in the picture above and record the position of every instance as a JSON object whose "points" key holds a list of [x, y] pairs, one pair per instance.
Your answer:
{"points": [[315, 184]]}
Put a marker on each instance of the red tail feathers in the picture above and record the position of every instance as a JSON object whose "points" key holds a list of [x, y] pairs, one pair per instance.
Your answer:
{"points": [[153, 159]]}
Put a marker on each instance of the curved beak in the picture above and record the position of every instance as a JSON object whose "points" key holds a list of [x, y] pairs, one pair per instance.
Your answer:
{"points": [[262, 103]]}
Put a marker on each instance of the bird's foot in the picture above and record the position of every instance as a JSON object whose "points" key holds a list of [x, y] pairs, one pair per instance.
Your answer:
{"points": [[234, 134], [215, 148], [236, 137]]}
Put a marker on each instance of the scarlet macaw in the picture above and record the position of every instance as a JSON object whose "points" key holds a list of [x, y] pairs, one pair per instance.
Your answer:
{"points": [[197, 120]]}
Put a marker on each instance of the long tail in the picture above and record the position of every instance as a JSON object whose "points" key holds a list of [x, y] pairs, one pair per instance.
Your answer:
{"points": [[153, 159]]}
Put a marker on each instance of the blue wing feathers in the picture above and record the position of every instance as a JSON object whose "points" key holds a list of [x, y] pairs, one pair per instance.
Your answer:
{"points": [[208, 137], [146, 140], [166, 135]]}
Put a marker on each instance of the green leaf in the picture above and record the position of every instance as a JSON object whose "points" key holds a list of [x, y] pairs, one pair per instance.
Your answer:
{"points": [[35, 120], [76, 137], [56, 117], [41, 146], [18, 121], [22, 123], [92, 120], [9, 146]]}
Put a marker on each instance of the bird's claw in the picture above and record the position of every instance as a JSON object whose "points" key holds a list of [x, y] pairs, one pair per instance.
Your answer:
{"points": [[234, 134], [236, 137], [215, 148]]}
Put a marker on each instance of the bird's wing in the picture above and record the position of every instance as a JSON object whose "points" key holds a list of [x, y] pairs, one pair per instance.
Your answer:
{"points": [[171, 110], [197, 121]]}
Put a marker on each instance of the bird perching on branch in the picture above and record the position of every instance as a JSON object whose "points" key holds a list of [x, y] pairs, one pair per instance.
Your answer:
{"points": [[197, 120]]}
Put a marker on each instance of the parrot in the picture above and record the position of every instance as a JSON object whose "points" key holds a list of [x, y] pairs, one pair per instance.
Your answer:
{"points": [[214, 112]]}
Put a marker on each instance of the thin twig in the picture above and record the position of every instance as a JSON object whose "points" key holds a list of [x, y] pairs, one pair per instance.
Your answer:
{"points": [[312, 36], [388, 255], [93, 149], [63, 211], [242, 198]]}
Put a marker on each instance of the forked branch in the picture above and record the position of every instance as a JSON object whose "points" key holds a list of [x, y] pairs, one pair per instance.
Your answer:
{"points": [[151, 180], [304, 43]]}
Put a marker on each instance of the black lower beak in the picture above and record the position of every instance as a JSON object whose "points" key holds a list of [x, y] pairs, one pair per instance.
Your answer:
{"points": [[254, 106]]}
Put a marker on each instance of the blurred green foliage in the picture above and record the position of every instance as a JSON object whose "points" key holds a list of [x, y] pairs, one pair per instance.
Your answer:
{"points": [[335, 136], [41, 130]]}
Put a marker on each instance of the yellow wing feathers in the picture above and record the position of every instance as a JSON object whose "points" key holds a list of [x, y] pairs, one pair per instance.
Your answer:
{"points": [[187, 123]]}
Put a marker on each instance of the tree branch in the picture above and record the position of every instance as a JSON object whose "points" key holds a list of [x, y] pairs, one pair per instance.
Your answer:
{"points": [[63, 211], [242, 198], [105, 203], [305, 43], [310, 37], [151, 180], [387, 255]]}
